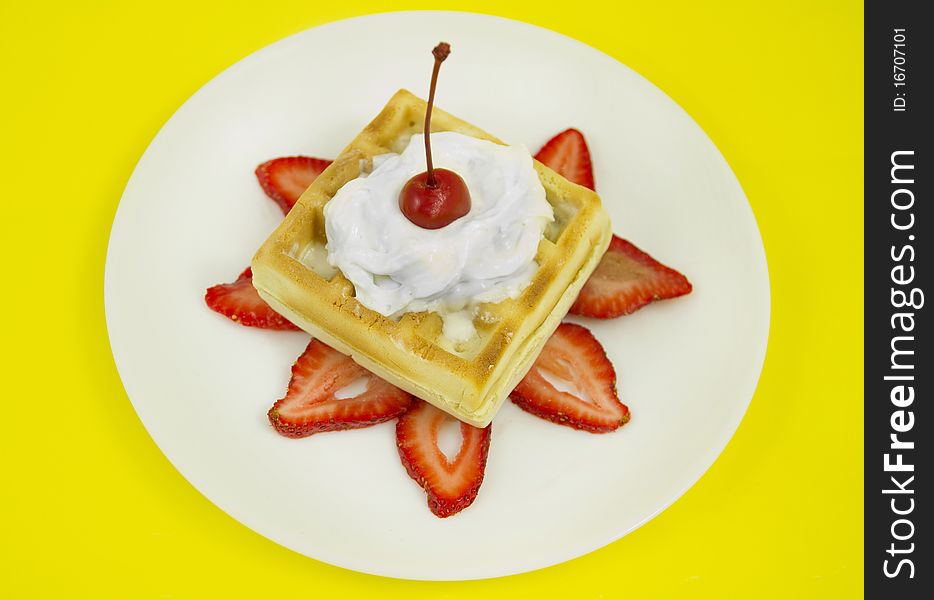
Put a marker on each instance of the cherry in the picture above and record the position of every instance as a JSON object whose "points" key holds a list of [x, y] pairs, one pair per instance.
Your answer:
{"points": [[436, 197], [434, 206]]}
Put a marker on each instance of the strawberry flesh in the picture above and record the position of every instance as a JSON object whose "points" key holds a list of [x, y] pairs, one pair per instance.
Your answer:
{"points": [[451, 485], [626, 280], [574, 355], [311, 406], [286, 179], [239, 302], [568, 155]]}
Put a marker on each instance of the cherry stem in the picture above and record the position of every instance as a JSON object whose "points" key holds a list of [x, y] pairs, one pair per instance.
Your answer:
{"points": [[440, 52]]}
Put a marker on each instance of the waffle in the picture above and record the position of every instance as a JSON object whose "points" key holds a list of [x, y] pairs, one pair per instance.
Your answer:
{"points": [[471, 379]]}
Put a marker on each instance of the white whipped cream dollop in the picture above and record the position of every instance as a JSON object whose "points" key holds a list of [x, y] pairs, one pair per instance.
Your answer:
{"points": [[487, 255]]}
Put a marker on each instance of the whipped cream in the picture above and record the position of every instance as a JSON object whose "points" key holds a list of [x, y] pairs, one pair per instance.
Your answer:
{"points": [[487, 255]]}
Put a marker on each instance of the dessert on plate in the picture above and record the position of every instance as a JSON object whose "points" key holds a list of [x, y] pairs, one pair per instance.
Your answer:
{"points": [[433, 266]]}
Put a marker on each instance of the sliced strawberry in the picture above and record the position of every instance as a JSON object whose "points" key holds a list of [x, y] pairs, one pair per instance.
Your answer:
{"points": [[452, 486], [240, 302], [574, 355], [311, 406], [626, 280], [285, 179], [567, 154]]}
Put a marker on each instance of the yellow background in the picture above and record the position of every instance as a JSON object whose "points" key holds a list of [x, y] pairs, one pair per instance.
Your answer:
{"points": [[90, 507]]}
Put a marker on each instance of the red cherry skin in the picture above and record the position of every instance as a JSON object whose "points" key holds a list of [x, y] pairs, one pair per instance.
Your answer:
{"points": [[433, 207]]}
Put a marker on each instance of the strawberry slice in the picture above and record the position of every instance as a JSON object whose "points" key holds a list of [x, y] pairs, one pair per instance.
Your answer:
{"points": [[626, 280], [567, 154], [312, 406], [240, 302], [285, 179], [574, 355], [452, 486]]}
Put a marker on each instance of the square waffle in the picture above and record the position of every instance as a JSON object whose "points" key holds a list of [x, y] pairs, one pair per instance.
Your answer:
{"points": [[471, 379]]}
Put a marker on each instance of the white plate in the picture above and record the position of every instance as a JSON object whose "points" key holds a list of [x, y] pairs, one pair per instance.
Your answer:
{"points": [[192, 215]]}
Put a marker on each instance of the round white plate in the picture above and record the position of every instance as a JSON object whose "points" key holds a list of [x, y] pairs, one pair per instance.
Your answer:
{"points": [[192, 215]]}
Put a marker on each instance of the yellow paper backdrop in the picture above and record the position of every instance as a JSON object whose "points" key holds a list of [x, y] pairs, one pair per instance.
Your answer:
{"points": [[89, 507]]}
